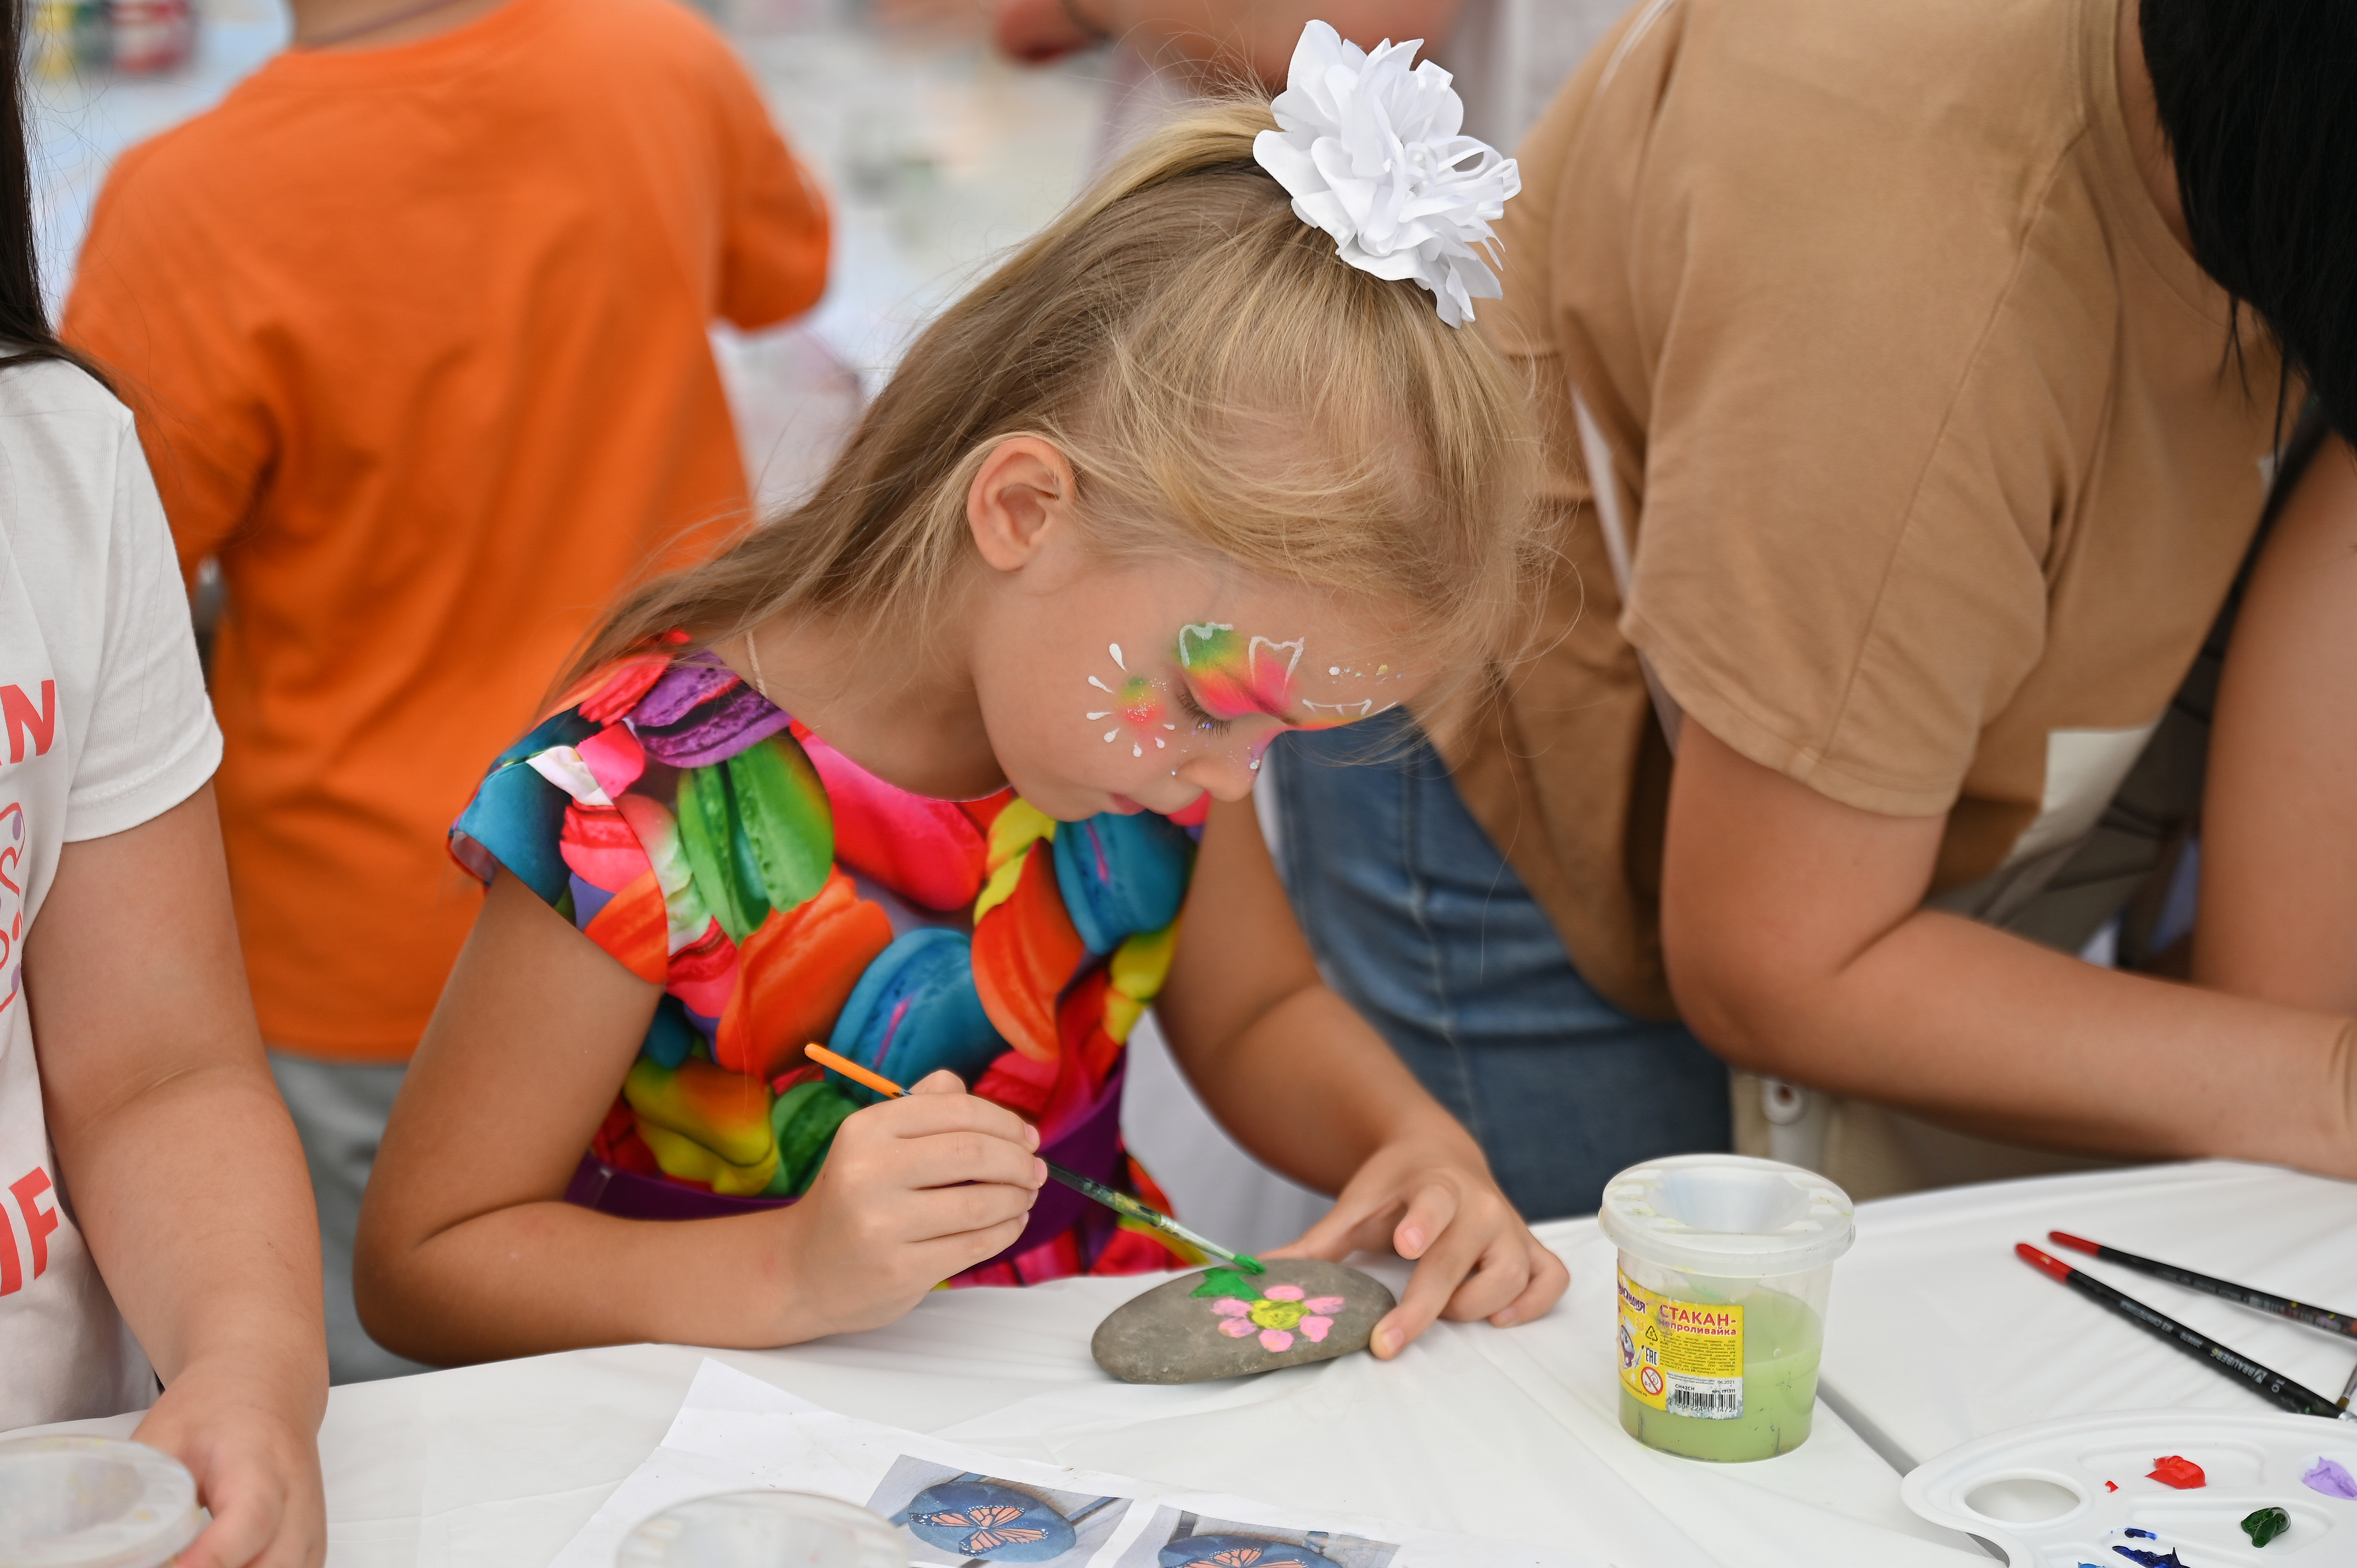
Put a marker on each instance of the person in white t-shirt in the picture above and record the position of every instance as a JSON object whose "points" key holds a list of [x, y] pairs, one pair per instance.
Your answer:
{"points": [[155, 1213]]}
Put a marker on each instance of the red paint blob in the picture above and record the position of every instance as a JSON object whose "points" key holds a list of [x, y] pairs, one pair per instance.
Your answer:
{"points": [[2177, 1471], [2111, 1486]]}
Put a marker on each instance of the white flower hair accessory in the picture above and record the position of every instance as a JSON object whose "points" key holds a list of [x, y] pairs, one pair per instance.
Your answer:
{"points": [[1371, 153]]}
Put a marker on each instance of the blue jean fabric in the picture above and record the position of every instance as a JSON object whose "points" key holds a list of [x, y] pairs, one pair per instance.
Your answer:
{"points": [[1422, 926]]}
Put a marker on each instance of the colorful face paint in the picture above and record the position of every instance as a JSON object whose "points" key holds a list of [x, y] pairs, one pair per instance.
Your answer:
{"points": [[1138, 709], [1235, 675]]}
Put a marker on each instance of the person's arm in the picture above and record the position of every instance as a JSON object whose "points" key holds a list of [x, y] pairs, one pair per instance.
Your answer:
{"points": [[186, 1175], [159, 314], [774, 228], [467, 1253], [1238, 34], [1797, 947], [2279, 909], [1308, 1086]]}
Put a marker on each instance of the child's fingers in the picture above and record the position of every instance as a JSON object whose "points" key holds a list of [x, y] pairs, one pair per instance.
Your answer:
{"points": [[1337, 1232], [946, 1257], [1438, 1273], [941, 1213], [953, 1159], [1499, 1274], [1427, 1216], [939, 1106], [1549, 1279], [248, 1513], [940, 1080]]}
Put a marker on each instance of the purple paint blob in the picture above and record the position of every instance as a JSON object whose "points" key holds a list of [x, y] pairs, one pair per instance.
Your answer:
{"points": [[2331, 1478]]}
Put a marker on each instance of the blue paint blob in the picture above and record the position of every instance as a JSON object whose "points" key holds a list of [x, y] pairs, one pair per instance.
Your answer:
{"points": [[2150, 1559], [2140, 1535]]}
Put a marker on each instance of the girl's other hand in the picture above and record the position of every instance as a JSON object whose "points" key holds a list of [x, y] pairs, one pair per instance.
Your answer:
{"points": [[913, 1191], [255, 1457], [1427, 1195]]}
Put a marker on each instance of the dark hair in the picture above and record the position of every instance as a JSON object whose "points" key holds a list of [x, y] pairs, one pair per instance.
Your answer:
{"points": [[26, 334], [2258, 99]]}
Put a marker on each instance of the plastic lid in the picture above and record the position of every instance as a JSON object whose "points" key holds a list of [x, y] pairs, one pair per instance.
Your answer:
{"points": [[1727, 1215], [764, 1529], [92, 1502]]}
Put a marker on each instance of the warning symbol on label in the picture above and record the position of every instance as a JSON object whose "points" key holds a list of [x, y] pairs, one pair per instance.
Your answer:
{"points": [[1652, 1379]]}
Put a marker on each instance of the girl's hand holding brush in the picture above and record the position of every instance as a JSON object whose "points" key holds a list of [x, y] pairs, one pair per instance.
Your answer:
{"points": [[913, 1191]]}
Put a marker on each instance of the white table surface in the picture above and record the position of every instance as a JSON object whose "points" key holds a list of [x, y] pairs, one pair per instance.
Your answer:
{"points": [[1936, 1335]]}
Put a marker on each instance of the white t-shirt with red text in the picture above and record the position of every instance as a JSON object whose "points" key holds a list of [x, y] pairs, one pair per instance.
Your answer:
{"points": [[103, 725]]}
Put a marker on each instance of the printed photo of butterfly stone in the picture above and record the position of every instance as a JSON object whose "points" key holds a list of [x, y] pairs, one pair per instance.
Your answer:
{"points": [[958, 1517], [1173, 1538], [1222, 1323]]}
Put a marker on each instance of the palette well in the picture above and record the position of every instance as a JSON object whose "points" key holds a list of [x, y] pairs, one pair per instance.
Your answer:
{"points": [[2058, 1493]]}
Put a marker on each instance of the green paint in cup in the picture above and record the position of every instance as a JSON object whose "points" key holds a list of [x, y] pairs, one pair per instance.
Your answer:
{"points": [[1725, 1266]]}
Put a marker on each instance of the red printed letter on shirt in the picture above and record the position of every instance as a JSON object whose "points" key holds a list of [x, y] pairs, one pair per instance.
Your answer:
{"points": [[16, 711], [38, 1222], [12, 1272]]}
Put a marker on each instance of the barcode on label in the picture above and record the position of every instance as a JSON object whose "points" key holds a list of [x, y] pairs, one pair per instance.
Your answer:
{"points": [[1712, 1402]]}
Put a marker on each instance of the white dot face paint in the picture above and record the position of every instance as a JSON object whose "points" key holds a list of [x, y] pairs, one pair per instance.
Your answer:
{"points": [[1114, 648]]}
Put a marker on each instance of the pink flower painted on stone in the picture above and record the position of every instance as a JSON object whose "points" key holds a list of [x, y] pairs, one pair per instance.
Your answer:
{"points": [[1276, 1316]]}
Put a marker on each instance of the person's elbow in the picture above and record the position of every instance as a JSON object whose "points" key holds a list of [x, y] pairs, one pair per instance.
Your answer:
{"points": [[1752, 1011]]}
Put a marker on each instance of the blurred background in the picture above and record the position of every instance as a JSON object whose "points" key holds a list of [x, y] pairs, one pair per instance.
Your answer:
{"points": [[936, 154]]}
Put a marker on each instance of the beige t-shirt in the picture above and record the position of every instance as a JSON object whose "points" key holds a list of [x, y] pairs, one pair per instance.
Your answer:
{"points": [[1933, 465]]}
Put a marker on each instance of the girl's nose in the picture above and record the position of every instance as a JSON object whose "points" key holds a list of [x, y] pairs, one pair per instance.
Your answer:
{"points": [[1227, 771]]}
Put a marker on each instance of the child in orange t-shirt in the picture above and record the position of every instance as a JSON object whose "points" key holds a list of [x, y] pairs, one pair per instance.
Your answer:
{"points": [[416, 323]]}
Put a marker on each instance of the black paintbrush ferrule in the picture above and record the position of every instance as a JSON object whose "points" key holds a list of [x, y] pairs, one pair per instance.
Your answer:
{"points": [[2242, 1295], [2264, 1381]]}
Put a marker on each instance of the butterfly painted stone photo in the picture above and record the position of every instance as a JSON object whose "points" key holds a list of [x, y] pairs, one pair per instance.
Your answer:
{"points": [[987, 1519], [1239, 1552], [1224, 1324]]}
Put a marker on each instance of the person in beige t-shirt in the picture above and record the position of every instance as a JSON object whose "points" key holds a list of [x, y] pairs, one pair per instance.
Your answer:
{"points": [[1907, 456]]}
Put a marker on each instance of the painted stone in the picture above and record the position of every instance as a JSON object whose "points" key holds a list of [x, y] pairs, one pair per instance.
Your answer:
{"points": [[987, 1519], [1222, 1323]]}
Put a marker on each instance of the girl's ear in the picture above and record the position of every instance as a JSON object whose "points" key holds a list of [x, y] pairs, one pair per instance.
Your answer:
{"points": [[1022, 496]]}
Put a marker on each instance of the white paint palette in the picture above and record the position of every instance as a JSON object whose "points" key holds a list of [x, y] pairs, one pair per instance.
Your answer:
{"points": [[2037, 1492]]}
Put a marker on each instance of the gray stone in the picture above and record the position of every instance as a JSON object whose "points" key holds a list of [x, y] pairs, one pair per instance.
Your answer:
{"points": [[1174, 1335]]}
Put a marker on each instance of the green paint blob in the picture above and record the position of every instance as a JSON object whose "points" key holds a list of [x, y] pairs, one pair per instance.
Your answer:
{"points": [[1226, 1282], [2266, 1525], [1782, 1340], [1250, 1264]]}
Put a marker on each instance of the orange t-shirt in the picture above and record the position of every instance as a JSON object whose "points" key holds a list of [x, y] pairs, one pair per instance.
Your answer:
{"points": [[418, 338]]}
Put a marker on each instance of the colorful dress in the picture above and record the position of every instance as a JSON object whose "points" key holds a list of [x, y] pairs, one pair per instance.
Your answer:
{"points": [[781, 894]]}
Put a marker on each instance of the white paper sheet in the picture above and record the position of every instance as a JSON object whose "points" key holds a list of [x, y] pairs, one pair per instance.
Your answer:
{"points": [[735, 1432]]}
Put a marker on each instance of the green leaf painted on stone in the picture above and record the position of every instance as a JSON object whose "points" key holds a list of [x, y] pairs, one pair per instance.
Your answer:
{"points": [[2266, 1525], [1226, 1282]]}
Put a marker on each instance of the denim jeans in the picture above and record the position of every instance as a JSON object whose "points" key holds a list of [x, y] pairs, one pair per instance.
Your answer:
{"points": [[1422, 927]]}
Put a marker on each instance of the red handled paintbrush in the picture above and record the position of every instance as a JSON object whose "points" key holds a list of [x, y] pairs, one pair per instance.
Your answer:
{"points": [[2264, 1381]]}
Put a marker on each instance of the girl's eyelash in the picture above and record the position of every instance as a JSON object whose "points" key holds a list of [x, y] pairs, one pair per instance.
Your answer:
{"points": [[1203, 721]]}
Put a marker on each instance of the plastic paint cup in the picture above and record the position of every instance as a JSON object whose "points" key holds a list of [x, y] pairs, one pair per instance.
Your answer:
{"points": [[1725, 1266], [93, 1502], [764, 1529]]}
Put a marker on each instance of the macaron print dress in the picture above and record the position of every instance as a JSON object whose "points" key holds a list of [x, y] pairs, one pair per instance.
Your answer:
{"points": [[781, 894]]}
